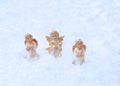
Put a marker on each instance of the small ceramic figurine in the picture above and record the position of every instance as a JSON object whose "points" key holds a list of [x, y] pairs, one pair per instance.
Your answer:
{"points": [[31, 46], [55, 43], [79, 51]]}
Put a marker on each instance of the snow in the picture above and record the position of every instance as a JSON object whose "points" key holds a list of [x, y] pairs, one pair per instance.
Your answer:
{"points": [[96, 22]]}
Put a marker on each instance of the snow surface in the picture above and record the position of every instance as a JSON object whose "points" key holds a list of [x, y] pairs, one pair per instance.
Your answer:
{"points": [[96, 22]]}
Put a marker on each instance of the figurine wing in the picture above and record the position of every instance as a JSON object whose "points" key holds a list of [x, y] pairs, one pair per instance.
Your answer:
{"points": [[85, 47], [48, 38], [61, 38], [36, 42], [73, 48]]}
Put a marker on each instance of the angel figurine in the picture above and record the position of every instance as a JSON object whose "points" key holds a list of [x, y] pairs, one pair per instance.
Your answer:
{"points": [[79, 49], [55, 43], [31, 46]]}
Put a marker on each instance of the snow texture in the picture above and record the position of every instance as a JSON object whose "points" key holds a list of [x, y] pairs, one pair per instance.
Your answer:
{"points": [[96, 22]]}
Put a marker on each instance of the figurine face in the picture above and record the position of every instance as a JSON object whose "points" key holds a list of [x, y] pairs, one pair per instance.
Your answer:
{"points": [[54, 34], [79, 42], [28, 37]]}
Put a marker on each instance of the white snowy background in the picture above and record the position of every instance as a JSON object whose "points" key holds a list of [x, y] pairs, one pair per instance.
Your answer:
{"points": [[96, 22]]}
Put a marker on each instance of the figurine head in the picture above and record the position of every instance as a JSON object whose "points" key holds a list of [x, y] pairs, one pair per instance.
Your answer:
{"points": [[28, 36], [79, 41], [54, 34]]}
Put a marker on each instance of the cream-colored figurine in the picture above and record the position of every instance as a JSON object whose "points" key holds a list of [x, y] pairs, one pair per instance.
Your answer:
{"points": [[31, 46], [79, 51], [55, 43]]}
